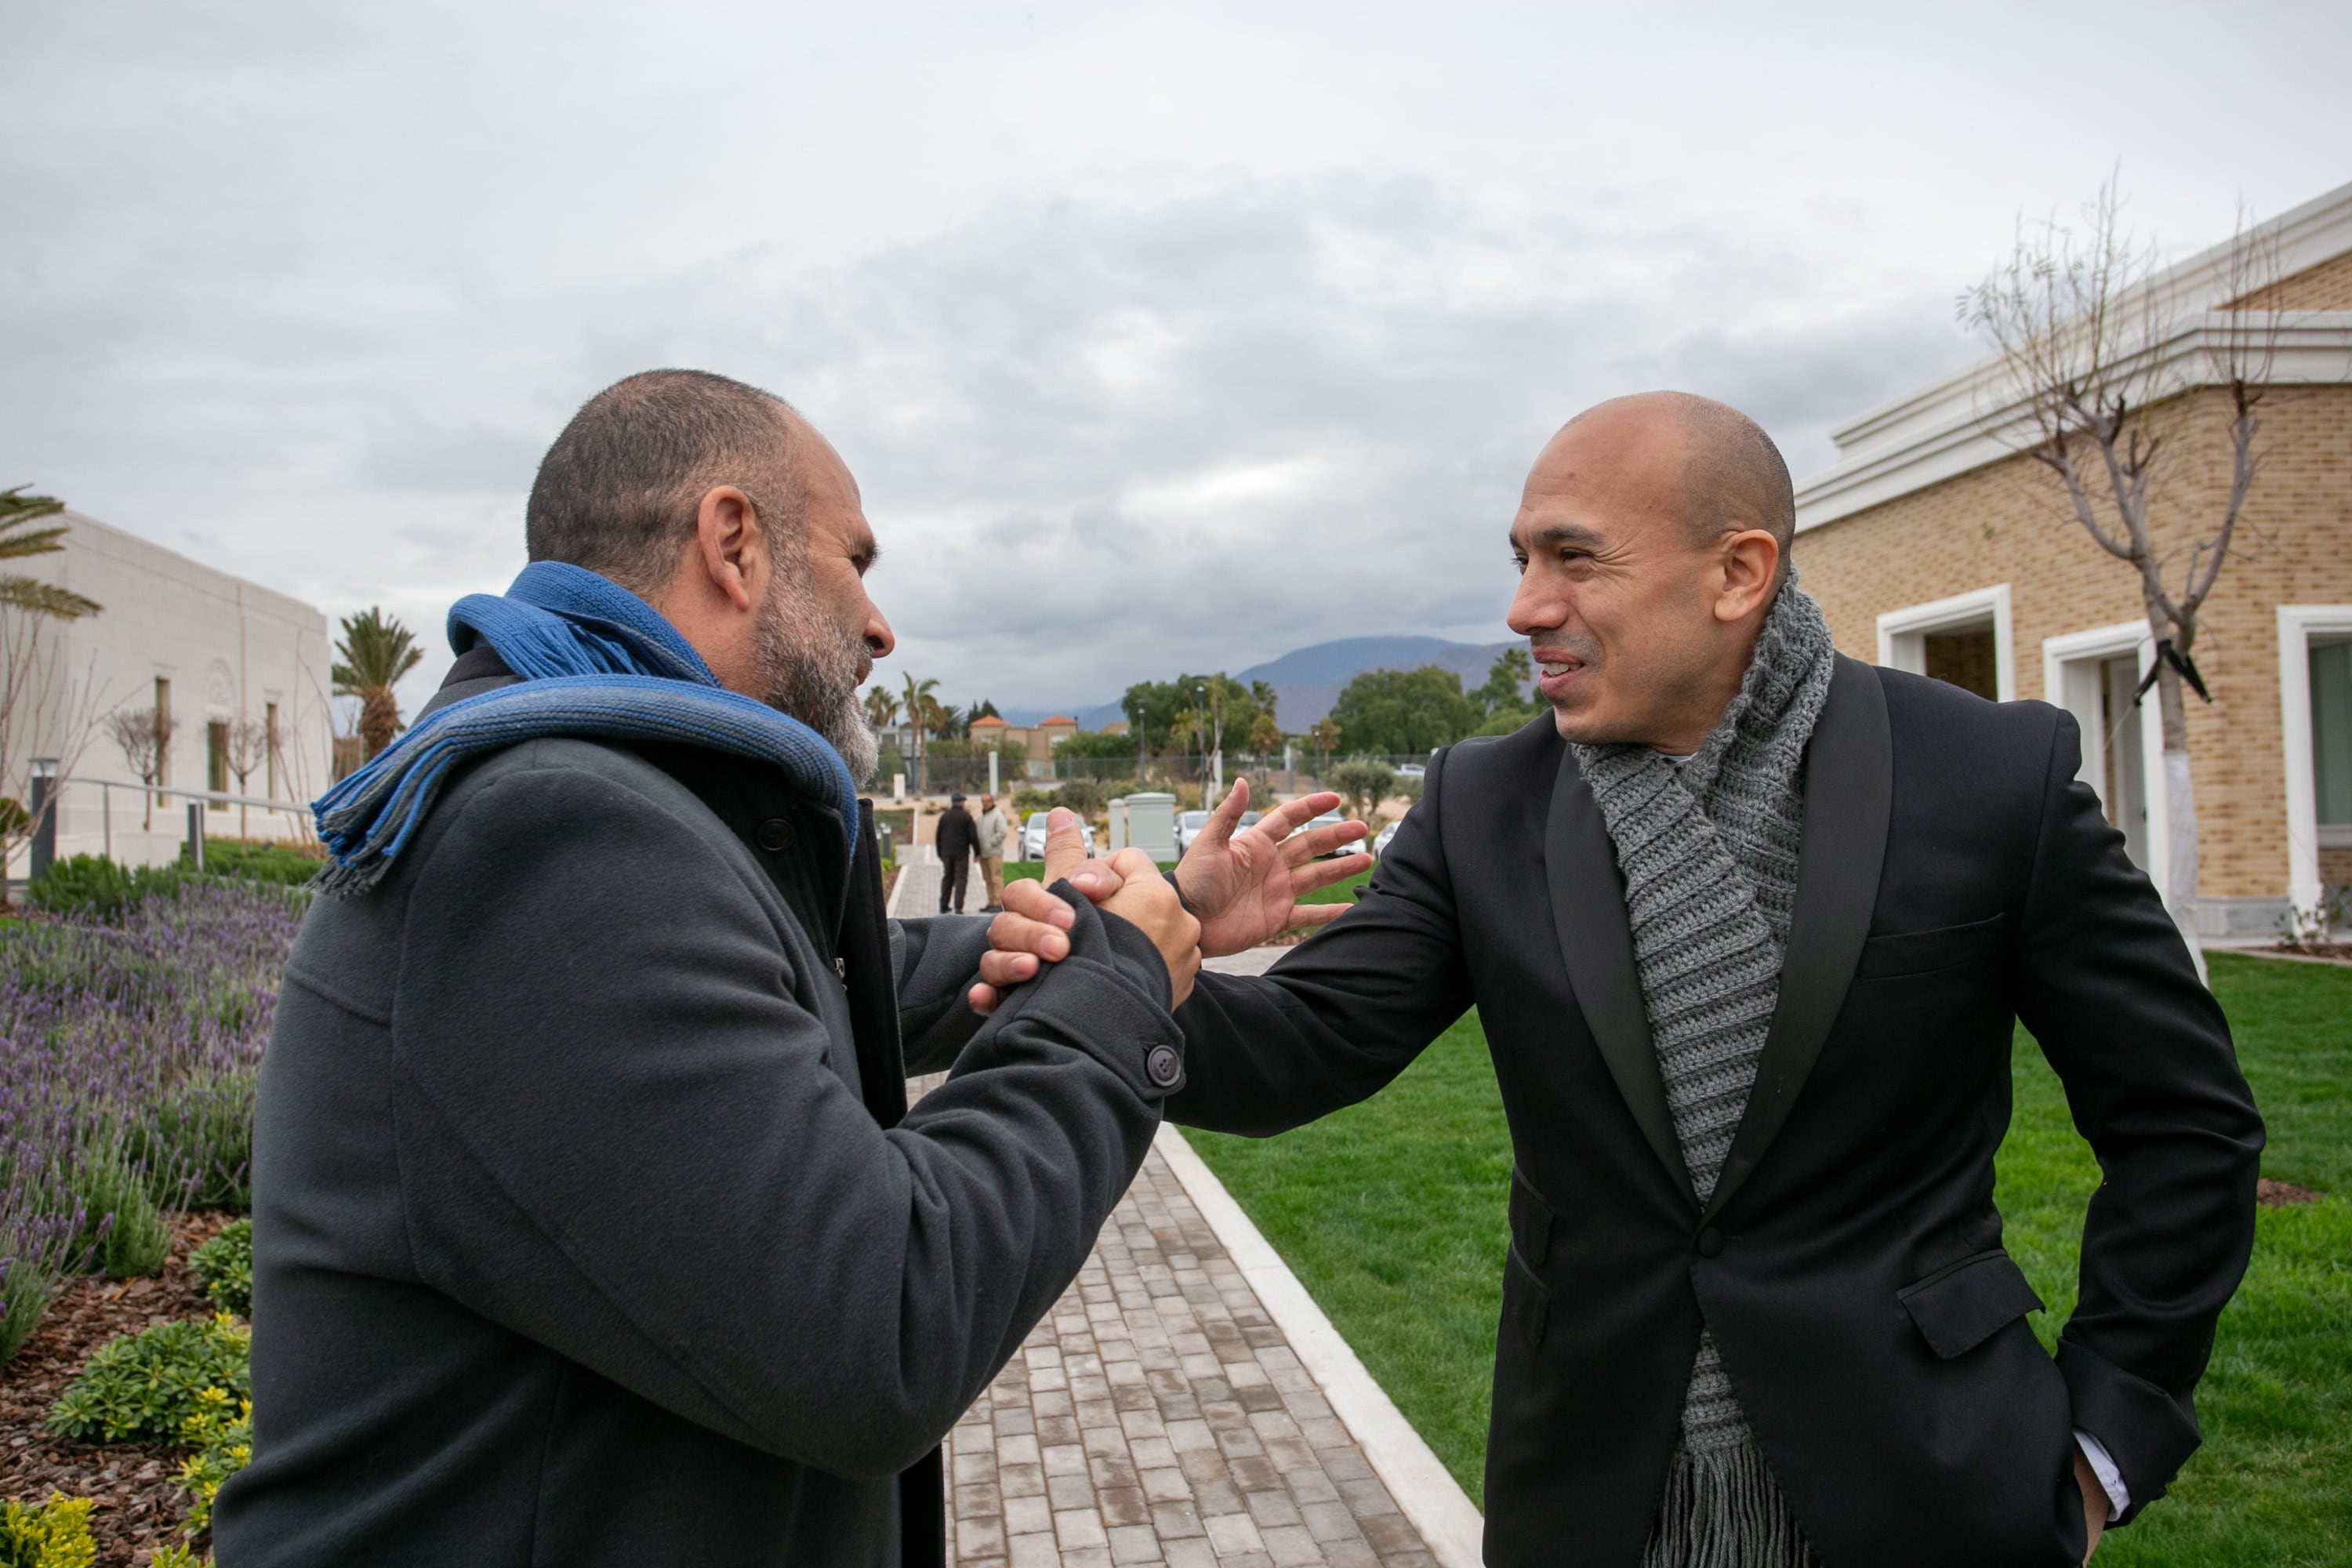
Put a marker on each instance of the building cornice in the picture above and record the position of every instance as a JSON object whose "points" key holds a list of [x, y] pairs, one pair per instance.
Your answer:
{"points": [[1975, 418]]}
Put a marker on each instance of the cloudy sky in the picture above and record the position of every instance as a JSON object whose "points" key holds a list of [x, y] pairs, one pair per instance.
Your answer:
{"points": [[1158, 336]]}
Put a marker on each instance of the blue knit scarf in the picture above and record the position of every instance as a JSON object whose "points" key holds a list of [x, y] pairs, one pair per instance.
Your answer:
{"points": [[596, 662]]}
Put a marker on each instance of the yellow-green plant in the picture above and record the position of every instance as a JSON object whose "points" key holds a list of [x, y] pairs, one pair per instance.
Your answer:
{"points": [[52, 1535], [221, 1433]]}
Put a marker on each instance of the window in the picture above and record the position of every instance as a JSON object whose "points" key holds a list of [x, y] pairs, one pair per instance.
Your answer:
{"points": [[1964, 639], [217, 760], [2331, 739], [270, 743]]}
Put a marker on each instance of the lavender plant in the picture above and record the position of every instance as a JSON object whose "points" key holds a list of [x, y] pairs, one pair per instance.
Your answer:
{"points": [[128, 1054]]}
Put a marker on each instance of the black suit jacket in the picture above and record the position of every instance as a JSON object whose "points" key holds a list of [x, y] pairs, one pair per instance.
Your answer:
{"points": [[1954, 877]]}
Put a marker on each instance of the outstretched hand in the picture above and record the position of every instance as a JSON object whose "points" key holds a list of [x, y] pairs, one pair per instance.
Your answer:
{"points": [[1244, 883]]}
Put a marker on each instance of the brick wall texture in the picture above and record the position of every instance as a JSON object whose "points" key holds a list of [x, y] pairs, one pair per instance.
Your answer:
{"points": [[2009, 524], [2326, 286]]}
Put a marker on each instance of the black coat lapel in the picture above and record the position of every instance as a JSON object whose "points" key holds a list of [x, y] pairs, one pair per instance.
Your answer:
{"points": [[1588, 910], [1849, 795]]}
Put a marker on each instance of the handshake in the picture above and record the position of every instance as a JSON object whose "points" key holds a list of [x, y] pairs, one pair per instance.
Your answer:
{"points": [[1235, 888]]}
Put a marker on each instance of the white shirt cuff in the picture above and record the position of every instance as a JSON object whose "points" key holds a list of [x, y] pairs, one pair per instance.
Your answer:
{"points": [[2111, 1480]]}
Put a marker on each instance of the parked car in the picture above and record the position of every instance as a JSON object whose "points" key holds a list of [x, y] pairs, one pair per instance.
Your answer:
{"points": [[1411, 770], [1033, 836], [1379, 846]]}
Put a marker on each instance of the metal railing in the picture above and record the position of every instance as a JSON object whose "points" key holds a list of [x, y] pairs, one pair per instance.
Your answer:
{"points": [[48, 792]]}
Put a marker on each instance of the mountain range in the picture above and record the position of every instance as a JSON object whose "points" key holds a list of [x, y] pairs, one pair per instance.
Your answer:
{"points": [[1307, 681]]}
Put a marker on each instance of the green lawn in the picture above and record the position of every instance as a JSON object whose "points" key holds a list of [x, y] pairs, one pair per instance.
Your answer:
{"points": [[1391, 1214]]}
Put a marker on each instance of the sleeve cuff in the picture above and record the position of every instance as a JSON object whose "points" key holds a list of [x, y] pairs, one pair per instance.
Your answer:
{"points": [[2111, 1480]]}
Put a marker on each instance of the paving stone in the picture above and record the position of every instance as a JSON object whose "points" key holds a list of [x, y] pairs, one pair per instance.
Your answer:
{"points": [[1157, 1418]]}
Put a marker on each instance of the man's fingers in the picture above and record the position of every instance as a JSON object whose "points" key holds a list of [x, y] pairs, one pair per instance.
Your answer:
{"points": [[1010, 969], [1098, 880], [1066, 843], [1220, 825], [1302, 848], [1029, 899], [1323, 873], [1011, 934], [1307, 917], [1291, 814], [1134, 863], [983, 999]]}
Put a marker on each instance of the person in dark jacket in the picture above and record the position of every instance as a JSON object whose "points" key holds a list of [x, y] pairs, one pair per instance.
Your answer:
{"points": [[956, 839], [1748, 926], [591, 1226]]}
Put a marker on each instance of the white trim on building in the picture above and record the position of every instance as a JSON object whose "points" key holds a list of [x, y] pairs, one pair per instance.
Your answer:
{"points": [[2076, 671], [1903, 634], [2297, 626]]}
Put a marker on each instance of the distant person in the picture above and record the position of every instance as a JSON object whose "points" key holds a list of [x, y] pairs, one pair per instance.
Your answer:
{"points": [[955, 838], [1750, 926], [590, 1223], [992, 827]]}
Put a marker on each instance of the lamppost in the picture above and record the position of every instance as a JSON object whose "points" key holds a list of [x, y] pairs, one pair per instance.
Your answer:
{"points": [[1200, 740]]}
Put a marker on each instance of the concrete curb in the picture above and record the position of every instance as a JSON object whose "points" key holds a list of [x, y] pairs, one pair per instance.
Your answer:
{"points": [[1449, 1525]]}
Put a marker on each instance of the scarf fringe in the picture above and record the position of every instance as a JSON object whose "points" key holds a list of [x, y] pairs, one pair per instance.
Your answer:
{"points": [[1723, 1510]]}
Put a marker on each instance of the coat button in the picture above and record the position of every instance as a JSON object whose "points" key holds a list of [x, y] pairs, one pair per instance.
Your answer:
{"points": [[774, 835], [1162, 1068], [1710, 1242]]}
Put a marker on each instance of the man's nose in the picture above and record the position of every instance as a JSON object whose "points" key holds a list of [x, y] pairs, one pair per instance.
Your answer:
{"points": [[1536, 609], [878, 640]]}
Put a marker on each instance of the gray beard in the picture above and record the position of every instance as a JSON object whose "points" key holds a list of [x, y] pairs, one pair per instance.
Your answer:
{"points": [[810, 667]]}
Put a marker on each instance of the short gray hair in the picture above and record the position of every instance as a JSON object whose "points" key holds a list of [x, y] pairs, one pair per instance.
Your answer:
{"points": [[618, 492]]}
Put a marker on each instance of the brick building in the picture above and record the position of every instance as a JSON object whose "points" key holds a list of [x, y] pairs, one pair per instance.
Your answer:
{"points": [[1935, 547]]}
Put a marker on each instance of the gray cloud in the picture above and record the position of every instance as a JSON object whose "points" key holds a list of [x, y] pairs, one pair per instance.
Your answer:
{"points": [[1155, 340]]}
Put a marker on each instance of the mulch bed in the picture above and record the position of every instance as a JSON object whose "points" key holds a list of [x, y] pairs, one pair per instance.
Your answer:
{"points": [[2272, 1194], [140, 1506], [2334, 952]]}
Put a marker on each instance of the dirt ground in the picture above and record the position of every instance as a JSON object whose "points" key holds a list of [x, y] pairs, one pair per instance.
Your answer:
{"points": [[139, 1507]]}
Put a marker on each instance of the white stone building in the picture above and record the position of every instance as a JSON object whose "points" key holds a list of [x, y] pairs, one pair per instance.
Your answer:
{"points": [[201, 648]]}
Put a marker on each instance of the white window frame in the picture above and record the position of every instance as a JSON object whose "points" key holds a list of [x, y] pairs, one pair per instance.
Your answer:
{"points": [[2104, 643], [1903, 634], [2297, 626]]}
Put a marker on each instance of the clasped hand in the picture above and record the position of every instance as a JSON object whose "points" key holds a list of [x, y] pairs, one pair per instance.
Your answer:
{"points": [[1239, 886]]}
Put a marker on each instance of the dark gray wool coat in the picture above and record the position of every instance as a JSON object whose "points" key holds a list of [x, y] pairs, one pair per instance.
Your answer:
{"points": [[575, 1241]]}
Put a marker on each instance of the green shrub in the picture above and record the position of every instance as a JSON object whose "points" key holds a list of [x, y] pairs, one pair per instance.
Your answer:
{"points": [[25, 1292], [1084, 797], [122, 1232], [52, 1535], [223, 1267], [143, 1388], [221, 1433], [88, 885], [1365, 783], [262, 862], [175, 1556]]}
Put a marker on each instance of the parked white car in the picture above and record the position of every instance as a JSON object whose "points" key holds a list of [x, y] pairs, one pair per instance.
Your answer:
{"points": [[1033, 836], [1380, 847]]}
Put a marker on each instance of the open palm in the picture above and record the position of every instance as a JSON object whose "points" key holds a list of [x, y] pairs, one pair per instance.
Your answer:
{"points": [[1244, 884]]}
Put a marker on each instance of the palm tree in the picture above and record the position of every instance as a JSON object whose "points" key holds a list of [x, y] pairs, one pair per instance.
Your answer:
{"points": [[881, 708], [920, 706], [375, 652], [18, 540]]}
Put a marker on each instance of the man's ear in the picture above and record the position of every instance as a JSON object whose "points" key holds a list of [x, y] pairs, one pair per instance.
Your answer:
{"points": [[1750, 566], [732, 546]]}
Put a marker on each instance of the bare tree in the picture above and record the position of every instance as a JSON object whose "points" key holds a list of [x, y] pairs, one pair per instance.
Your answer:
{"points": [[2105, 392], [42, 705], [249, 747], [144, 735]]}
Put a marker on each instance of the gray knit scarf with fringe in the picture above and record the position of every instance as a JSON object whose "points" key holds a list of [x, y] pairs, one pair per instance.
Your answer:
{"points": [[1708, 850]]}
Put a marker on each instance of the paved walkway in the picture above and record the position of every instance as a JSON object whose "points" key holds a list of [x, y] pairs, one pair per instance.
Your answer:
{"points": [[1162, 1415]]}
